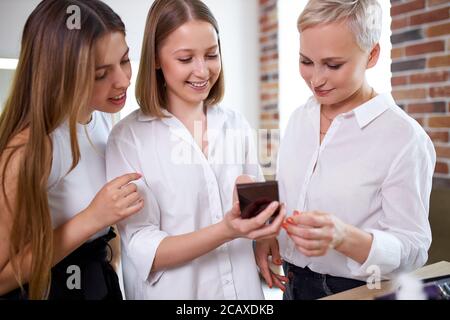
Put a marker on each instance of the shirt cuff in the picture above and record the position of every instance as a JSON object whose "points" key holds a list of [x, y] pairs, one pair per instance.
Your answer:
{"points": [[384, 256], [142, 250]]}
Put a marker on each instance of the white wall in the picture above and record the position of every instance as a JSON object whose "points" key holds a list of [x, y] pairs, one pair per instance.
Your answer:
{"points": [[238, 20], [13, 14], [239, 28], [6, 77]]}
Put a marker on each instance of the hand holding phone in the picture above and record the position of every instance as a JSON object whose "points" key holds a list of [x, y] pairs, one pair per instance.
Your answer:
{"points": [[255, 197]]}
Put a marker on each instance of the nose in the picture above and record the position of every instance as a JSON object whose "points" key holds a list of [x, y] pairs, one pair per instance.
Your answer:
{"points": [[318, 78], [123, 76], [201, 68]]}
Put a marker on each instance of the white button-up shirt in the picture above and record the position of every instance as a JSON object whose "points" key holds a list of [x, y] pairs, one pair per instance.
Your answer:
{"points": [[183, 192], [373, 170]]}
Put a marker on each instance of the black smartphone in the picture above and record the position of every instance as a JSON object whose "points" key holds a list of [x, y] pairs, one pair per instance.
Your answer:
{"points": [[255, 197]]}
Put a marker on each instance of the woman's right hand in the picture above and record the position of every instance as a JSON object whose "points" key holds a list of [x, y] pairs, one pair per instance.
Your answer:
{"points": [[264, 249], [256, 227], [117, 200]]}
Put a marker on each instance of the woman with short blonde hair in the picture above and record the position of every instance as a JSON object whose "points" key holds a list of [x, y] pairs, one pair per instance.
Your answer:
{"points": [[354, 169]]}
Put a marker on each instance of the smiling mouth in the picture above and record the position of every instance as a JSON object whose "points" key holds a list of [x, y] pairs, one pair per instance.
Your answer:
{"points": [[198, 85], [118, 100], [119, 97], [322, 92]]}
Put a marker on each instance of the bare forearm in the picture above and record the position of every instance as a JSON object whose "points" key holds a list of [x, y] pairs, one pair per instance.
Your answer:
{"points": [[66, 239], [176, 250], [356, 244]]}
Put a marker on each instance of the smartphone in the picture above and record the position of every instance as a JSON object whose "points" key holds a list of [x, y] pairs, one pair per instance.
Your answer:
{"points": [[255, 197]]}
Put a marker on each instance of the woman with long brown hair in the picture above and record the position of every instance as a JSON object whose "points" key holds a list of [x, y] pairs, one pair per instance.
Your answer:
{"points": [[55, 204]]}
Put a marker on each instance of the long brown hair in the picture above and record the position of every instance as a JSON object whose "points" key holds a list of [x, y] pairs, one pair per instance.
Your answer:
{"points": [[52, 84], [163, 18]]}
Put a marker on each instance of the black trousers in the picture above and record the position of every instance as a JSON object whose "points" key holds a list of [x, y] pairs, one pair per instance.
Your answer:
{"points": [[305, 284], [97, 278]]}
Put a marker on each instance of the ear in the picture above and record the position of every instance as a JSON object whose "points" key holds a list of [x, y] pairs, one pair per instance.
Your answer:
{"points": [[374, 56]]}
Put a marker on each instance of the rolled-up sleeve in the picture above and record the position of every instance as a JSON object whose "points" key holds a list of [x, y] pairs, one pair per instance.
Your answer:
{"points": [[403, 238], [140, 233]]}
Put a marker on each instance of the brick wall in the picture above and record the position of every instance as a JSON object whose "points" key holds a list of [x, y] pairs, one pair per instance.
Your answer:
{"points": [[268, 134], [420, 70], [420, 73]]}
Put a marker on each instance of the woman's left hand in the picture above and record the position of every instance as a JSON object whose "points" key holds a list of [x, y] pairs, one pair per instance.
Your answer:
{"points": [[315, 232]]}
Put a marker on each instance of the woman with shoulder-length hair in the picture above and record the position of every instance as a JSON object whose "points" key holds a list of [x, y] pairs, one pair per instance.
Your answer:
{"points": [[189, 240]]}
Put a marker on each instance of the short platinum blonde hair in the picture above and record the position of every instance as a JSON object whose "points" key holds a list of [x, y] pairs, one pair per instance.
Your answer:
{"points": [[363, 18]]}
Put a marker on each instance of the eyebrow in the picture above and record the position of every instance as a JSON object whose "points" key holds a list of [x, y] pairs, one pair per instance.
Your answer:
{"points": [[324, 60], [108, 65], [190, 50]]}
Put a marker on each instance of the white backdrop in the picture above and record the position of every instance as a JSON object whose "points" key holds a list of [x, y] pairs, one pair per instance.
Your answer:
{"points": [[238, 20]]}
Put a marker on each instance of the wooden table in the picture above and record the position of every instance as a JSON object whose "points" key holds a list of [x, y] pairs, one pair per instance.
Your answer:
{"points": [[364, 293]]}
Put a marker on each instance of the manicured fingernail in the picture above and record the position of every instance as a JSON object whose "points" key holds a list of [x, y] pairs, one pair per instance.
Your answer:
{"points": [[290, 220], [284, 225], [274, 205], [277, 261], [296, 213]]}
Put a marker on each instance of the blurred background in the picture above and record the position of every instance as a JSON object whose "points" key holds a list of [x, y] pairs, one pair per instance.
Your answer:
{"points": [[260, 46]]}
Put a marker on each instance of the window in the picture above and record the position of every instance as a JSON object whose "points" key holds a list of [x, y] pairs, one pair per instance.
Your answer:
{"points": [[7, 69]]}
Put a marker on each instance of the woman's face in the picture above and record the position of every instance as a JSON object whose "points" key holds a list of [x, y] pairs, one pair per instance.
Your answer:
{"points": [[112, 73], [190, 61], [331, 62]]}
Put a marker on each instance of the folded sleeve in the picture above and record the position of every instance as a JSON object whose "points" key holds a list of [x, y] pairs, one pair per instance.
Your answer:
{"points": [[140, 233], [403, 238]]}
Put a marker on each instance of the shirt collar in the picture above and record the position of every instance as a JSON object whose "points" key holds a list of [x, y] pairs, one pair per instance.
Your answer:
{"points": [[372, 109], [365, 113], [143, 117], [216, 117]]}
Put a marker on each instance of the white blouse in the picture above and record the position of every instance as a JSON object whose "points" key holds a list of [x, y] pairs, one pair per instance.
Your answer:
{"points": [[374, 171], [70, 193], [183, 192]]}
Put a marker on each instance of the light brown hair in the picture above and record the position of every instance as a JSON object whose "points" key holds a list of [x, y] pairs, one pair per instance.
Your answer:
{"points": [[164, 17], [52, 84]]}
